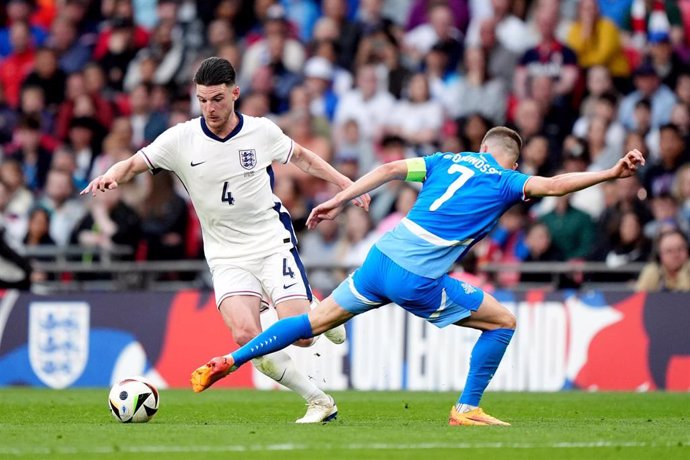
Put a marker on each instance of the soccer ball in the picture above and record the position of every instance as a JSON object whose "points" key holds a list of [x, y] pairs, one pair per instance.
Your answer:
{"points": [[133, 399]]}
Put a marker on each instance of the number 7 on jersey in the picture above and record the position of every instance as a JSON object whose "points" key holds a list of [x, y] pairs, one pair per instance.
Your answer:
{"points": [[465, 174]]}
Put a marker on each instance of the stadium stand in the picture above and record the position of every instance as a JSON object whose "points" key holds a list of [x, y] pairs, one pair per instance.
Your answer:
{"points": [[85, 83]]}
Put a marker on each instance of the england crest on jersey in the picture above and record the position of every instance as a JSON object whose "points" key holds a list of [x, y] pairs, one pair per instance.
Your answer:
{"points": [[58, 341], [248, 158]]}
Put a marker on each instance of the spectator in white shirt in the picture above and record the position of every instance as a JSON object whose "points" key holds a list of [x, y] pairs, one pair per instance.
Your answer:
{"points": [[276, 44], [418, 119], [647, 86], [65, 211], [604, 107], [366, 104], [511, 31], [478, 92], [439, 29]]}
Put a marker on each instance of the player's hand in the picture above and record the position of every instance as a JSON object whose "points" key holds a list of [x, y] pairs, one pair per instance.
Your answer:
{"points": [[628, 165], [101, 183], [328, 210], [362, 201]]}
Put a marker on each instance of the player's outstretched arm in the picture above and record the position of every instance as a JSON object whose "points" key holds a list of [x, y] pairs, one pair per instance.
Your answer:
{"points": [[387, 172], [563, 184], [122, 171], [311, 163]]}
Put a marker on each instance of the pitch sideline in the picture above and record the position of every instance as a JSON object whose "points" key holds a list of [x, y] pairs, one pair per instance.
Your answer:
{"points": [[373, 446]]}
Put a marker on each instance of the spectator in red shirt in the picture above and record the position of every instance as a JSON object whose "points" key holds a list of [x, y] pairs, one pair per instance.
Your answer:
{"points": [[122, 13]]}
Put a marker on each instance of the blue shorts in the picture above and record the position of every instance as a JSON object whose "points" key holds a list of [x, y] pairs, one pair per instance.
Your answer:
{"points": [[380, 281]]}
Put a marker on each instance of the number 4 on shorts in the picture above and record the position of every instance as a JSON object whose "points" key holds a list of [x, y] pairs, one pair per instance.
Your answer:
{"points": [[287, 271]]}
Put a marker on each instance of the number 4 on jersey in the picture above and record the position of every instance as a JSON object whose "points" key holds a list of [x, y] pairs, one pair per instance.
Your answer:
{"points": [[226, 197]]}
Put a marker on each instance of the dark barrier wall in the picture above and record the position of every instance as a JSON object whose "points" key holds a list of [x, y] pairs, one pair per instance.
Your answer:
{"points": [[593, 341]]}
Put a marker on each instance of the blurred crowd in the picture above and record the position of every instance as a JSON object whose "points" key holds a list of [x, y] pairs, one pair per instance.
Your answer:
{"points": [[85, 83]]}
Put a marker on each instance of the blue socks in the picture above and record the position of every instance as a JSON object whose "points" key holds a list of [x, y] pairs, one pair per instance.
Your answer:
{"points": [[486, 356], [278, 336]]}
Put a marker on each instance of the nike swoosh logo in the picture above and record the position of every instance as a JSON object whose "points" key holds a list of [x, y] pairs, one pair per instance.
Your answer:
{"points": [[288, 286], [196, 164]]}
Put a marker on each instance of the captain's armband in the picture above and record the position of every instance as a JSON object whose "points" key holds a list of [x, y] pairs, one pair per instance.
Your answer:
{"points": [[416, 170]]}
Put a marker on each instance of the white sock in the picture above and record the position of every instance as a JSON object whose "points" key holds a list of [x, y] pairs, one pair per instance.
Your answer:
{"points": [[281, 368], [462, 408]]}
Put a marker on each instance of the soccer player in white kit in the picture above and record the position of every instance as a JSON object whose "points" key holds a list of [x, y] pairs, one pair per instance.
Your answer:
{"points": [[224, 159]]}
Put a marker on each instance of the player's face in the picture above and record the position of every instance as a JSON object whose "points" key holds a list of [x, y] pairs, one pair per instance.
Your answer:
{"points": [[217, 104], [673, 252]]}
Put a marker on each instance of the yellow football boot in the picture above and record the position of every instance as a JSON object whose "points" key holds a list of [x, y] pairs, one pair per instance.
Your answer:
{"points": [[475, 417]]}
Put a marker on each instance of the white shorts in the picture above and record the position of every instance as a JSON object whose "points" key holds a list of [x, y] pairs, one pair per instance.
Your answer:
{"points": [[278, 277]]}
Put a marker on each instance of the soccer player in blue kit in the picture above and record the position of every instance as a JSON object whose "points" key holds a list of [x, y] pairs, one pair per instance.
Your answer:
{"points": [[462, 198]]}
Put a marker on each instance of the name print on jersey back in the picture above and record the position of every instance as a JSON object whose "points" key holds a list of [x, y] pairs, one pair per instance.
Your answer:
{"points": [[478, 162]]}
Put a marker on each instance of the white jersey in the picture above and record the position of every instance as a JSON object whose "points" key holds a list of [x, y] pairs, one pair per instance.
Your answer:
{"points": [[230, 182]]}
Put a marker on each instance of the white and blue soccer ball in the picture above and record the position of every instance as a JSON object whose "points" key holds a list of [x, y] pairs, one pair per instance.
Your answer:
{"points": [[133, 400]]}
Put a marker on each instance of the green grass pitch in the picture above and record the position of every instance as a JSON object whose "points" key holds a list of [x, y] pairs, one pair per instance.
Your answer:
{"points": [[76, 424]]}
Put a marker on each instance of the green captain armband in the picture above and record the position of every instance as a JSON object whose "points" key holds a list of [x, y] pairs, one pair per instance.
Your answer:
{"points": [[416, 170]]}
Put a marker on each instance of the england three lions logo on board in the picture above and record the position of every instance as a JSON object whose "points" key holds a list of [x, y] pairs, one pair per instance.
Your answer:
{"points": [[58, 341], [248, 158]]}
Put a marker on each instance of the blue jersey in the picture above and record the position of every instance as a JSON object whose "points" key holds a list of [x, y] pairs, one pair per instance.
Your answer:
{"points": [[462, 198]]}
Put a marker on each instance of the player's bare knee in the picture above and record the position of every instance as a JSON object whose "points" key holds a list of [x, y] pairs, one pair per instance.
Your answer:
{"points": [[242, 336]]}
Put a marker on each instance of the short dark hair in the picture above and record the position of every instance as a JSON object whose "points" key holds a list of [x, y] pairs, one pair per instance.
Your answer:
{"points": [[671, 231], [609, 97], [30, 122], [671, 127], [510, 138], [391, 140], [644, 102], [215, 71], [121, 22]]}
